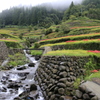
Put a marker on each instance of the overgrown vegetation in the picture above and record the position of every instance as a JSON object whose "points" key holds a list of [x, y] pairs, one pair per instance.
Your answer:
{"points": [[17, 59], [72, 37], [82, 44], [71, 53], [36, 52]]}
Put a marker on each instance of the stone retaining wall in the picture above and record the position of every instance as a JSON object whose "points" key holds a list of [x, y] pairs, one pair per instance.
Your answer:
{"points": [[56, 75], [3, 51]]}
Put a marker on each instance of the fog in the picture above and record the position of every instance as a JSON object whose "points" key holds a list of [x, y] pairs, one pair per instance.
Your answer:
{"points": [[58, 4]]}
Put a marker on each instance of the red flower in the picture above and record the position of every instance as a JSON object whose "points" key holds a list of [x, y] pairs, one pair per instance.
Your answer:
{"points": [[94, 51], [94, 71]]}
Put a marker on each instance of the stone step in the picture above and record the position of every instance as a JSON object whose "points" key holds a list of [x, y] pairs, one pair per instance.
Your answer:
{"points": [[95, 88]]}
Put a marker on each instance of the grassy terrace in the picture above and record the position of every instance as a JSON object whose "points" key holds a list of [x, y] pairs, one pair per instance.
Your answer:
{"points": [[73, 53], [72, 37], [92, 44]]}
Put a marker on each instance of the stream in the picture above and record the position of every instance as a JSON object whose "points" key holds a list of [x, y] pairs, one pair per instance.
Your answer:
{"points": [[18, 83]]}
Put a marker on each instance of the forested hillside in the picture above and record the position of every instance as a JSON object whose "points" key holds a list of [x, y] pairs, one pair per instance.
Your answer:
{"points": [[44, 16]]}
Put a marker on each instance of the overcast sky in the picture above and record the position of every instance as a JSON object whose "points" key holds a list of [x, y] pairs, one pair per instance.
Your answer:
{"points": [[6, 4]]}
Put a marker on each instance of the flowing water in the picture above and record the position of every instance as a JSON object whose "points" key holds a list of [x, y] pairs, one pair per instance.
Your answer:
{"points": [[16, 83]]}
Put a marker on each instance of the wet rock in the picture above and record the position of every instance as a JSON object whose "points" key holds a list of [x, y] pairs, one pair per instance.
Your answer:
{"points": [[37, 57], [23, 74], [17, 98], [21, 67], [3, 89], [31, 64], [33, 87], [13, 85]]}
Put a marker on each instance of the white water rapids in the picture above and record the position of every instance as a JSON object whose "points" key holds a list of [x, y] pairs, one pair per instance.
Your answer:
{"points": [[17, 76]]}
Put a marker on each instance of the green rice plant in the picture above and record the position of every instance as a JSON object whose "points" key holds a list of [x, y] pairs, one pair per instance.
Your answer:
{"points": [[36, 52], [70, 53], [83, 44], [73, 37]]}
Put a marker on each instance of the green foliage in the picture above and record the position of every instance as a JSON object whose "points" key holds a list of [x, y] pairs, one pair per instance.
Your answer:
{"points": [[36, 45], [30, 28], [38, 15], [13, 44], [65, 28], [72, 17], [57, 30], [17, 59], [36, 52], [21, 35], [77, 83], [90, 65], [84, 31], [48, 31], [93, 75]]}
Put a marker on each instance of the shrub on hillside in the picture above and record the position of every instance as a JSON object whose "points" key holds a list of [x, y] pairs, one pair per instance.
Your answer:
{"points": [[13, 44], [48, 31], [36, 45], [64, 28]]}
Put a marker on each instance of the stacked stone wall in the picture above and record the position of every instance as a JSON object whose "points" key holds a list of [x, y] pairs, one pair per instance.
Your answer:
{"points": [[3, 51], [57, 74]]}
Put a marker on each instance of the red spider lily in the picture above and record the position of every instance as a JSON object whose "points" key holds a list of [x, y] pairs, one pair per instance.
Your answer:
{"points": [[71, 41], [94, 51], [94, 71]]}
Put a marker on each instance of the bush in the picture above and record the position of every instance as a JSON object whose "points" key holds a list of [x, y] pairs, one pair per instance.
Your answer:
{"points": [[57, 30], [13, 44], [72, 17], [36, 45], [48, 31], [64, 28]]}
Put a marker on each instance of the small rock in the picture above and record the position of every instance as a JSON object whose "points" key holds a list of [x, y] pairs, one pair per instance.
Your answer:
{"points": [[78, 93], [86, 97], [33, 87], [31, 64], [82, 88], [62, 85], [61, 91], [94, 98]]}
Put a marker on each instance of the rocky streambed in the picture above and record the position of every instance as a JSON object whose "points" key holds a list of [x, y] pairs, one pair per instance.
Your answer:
{"points": [[18, 83]]}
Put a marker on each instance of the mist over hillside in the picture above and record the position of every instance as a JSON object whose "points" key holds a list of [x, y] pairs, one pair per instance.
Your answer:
{"points": [[60, 4]]}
